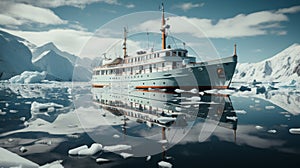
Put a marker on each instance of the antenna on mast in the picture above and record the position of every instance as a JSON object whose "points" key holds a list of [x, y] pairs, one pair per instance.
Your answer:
{"points": [[124, 43], [163, 28]]}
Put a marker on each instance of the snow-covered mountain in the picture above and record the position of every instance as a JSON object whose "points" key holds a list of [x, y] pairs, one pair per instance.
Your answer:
{"points": [[51, 47], [15, 56], [283, 67], [62, 65]]}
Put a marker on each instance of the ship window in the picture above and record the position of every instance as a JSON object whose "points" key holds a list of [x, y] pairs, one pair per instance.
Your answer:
{"points": [[167, 53], [153, 83], [174, 53], [164, 83], [157, 54], [179, 54], [154, 65], [163, 64]]}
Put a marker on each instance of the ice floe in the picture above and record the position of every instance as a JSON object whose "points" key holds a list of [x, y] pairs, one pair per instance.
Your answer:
{"points": [[294, 130], [9, 159], [126, 155], [164, 164], [258, 127], [45, 107], [116, 136], [115, 148], [233, 118], [75, 151], [239, 111], [148, 158], [95, 147], [102, 160], [272, 131]]}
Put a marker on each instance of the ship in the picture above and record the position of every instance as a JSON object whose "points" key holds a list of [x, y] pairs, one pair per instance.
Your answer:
{"points": [[166, 68]]}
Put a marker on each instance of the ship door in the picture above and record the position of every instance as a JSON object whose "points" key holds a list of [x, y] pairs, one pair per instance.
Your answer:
{"points": [[174, 65], [131, 70]]}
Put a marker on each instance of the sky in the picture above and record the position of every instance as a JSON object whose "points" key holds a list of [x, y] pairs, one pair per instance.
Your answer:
{"points": [[260, 28]]}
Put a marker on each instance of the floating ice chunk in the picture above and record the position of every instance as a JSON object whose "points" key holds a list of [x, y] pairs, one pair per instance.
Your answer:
{"points": [[75, 151], [115, 148], [2, 112], [257, 101], [239, 111], [26, 123], [233, 118], [179, 90], [102, 160], [96, 147], [201, 93], [28, 102], [258, 127], [13, 111], [165, 120], [18, 103], [148, 158], [270, 107], [126, 155], [22, 118], [287, 115], [22, 149], [294, 130], [37, 107], [28, 77], [178, 109], [10, 140], [55, 164], [272, 131], [6, 104], [164, 164], [116, 136], [194, 90]]}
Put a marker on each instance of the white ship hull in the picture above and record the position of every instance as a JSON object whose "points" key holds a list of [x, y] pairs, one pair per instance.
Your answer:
{"points": [[206, 75]]}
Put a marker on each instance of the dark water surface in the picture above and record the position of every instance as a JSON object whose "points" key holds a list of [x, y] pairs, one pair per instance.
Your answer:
{"points": [[242, 129]]}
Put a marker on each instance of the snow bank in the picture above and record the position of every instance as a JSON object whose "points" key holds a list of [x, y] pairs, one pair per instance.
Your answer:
{"points": [[45, 107], [115, 148], [164, 164], [28, 77]]}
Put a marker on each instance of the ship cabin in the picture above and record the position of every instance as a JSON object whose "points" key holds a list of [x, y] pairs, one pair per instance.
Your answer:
{"points": [[146, 62]]}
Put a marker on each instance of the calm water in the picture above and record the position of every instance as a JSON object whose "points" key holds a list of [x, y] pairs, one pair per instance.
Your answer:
{"points": [[185, 128]]}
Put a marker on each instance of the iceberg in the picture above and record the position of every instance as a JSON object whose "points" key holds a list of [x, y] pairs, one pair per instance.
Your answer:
{"points": [[28, 77]]}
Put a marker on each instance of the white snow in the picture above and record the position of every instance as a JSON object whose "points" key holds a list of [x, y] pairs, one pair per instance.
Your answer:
{"points": [[164, 164], [126, 155], [115, 148], [283, 67], [75, 151], [95, 147], [294, 130], [48, 107], [28, 77], [101, 160]]}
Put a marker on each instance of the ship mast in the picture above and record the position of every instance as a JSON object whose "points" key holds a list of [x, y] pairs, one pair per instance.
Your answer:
{"points": [[234, 49], [163, 28], [124, 43]]}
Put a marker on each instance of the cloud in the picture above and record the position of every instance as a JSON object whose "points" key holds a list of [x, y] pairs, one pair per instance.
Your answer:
{"points": [[188, 5], [241, 25], [18, 14], [58, 3], [293, 9], [130, 6]]}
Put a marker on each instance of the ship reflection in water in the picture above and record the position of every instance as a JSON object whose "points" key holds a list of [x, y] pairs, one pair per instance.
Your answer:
{"points": [[152, 121]]}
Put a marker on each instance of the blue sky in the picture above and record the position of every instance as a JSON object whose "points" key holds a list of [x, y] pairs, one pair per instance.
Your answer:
{"points": [[261, 28]]}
